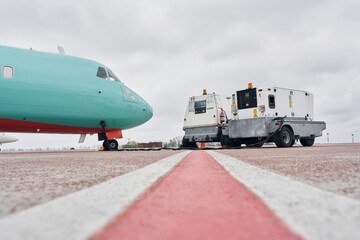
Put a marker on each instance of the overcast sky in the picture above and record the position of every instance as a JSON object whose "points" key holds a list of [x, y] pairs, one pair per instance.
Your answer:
{"points": [[168, 51]]}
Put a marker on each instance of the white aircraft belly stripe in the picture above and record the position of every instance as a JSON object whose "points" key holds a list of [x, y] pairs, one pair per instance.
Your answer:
{"points": [[310, 211], [81, 214]]}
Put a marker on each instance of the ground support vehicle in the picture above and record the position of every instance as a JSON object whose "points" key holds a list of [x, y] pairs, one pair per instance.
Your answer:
{"points": [[204, 117], [276, 115]]}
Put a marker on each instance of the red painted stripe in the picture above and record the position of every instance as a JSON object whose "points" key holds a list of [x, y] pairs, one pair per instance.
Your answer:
{"points": [[11, 125], [198, 200]]}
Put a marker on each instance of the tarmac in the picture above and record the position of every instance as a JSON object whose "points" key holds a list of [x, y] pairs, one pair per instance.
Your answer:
{"points": [[248, 193]]}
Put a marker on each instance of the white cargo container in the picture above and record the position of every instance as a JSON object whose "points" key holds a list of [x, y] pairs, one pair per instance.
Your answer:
{"points": [[274, 102], [204, 116], [272, 114]]}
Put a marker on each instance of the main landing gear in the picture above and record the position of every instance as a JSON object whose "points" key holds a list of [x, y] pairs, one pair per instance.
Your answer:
{"points": [[109, 145]]}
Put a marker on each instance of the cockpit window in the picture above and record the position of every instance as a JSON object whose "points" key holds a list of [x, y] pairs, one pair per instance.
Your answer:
{"points": [[101, 73], [113, 77]]}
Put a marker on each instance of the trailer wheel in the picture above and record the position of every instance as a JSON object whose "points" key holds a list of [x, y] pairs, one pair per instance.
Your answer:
{"points": [[187, 144], [307, 142], [227, 142], [284, 138]]}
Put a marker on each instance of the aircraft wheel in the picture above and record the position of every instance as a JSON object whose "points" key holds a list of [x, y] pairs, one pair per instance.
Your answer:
{"points": [[105, 146], [284, 138], [113, 145]]}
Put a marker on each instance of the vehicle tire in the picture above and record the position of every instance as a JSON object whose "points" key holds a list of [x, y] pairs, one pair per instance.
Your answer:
{"points": [[307, 142], [187, 144], [222, 141], [284, 138], [227, 142]]}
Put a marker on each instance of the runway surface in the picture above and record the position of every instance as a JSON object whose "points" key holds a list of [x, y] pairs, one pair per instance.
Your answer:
{"points": [[334, 167], [31, 178], [198, 191], [250, 193]]}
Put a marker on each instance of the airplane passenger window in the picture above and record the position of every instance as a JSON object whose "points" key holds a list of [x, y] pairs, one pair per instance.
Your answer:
{"points": [[7, 72], [101, 73], [113, 77]]}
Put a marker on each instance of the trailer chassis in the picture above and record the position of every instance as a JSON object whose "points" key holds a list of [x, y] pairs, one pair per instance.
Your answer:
{"points": [[283, 131]]}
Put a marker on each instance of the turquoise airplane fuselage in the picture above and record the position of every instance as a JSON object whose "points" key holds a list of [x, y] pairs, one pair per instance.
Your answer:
{"points": [[56, 93]]}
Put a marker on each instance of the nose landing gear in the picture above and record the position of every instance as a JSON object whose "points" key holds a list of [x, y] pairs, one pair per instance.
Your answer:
{"points": [[109, 145], [112, 145]]}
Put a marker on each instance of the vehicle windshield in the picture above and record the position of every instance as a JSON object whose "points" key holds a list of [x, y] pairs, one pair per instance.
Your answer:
{"points": [[113, 77], [200, 107]]}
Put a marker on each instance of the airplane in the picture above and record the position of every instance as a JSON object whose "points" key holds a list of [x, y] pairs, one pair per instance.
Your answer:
{"points": [[55, 93]]}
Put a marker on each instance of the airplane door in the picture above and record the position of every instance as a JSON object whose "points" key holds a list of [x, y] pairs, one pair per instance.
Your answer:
{"points": [[129, 95]]}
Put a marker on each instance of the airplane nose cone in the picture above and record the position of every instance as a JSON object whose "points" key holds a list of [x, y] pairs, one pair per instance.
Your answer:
{"points": [[148, 112]]}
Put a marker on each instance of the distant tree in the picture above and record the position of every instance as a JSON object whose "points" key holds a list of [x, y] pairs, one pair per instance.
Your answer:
{"points": [[174, 142], [179, 140], [131, 144]]}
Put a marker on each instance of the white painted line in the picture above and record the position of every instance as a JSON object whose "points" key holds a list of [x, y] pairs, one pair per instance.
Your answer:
{"points": [[79, 215], [309, 211]]}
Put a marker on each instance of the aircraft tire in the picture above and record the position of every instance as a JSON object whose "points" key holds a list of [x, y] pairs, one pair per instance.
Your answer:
{"points": [[113, 145], [105, 146]]}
